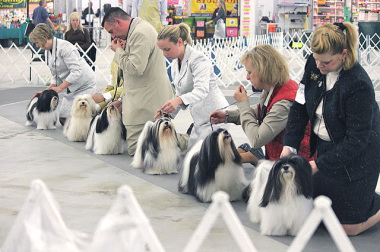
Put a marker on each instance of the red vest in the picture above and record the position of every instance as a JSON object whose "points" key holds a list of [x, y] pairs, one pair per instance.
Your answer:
{"points": [[273, 148]]}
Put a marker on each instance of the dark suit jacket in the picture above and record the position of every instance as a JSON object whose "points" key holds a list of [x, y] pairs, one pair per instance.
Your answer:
{"points": [[352, 119]]}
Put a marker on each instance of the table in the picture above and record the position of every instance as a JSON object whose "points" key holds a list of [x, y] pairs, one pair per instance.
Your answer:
{"points": [[14, 33]]}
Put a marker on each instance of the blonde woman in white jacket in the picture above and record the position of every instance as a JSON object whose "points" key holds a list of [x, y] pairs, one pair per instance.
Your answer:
{"points": [[194, 79], [71, 74]]}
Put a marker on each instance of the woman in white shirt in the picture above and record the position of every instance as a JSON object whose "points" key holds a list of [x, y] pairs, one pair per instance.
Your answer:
{"points": [[71, 74], [194, 80]]}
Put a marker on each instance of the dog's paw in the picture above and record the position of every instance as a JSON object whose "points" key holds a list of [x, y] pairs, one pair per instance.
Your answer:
{"points": [[28, 123], [152, 172]]}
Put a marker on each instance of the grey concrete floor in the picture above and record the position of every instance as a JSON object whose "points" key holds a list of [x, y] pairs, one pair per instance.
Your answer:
{"points": [[85, 186]]}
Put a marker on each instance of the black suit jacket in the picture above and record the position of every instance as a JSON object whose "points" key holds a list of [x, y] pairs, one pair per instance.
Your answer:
{"points": [[352, 119]]}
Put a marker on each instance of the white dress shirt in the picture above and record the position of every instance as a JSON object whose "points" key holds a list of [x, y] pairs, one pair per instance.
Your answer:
{"points": [[319, 125]]}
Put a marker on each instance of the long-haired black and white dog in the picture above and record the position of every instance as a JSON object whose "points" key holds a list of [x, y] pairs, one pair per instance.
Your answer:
{"points": [[157, 149], [281, 195], [107, 132], [41, 110], [213, 165], [77, 124]]}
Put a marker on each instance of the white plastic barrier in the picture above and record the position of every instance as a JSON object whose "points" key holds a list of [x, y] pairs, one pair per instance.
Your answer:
{"points": [[322, 212], [39, 226], [220, 206], [125, 227]]}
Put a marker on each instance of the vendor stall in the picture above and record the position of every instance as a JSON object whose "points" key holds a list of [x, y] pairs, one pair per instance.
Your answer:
{"points": [[13, 34], [196, 13]]}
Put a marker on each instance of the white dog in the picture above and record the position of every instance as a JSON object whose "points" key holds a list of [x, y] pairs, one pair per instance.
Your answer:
{"points": [[42, 110], [157, 149], [213, 165], [77, 125], [281, 195], [107, 133]]}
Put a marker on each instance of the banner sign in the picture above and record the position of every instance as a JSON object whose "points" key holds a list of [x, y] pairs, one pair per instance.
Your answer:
{"points": [[205, 8], [12, 4], [37, 1], [173, 2]]}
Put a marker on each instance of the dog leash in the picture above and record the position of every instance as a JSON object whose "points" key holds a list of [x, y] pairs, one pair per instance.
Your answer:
{"points": [[212, 129]]}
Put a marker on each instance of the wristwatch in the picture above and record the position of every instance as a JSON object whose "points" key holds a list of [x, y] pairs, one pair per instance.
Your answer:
{"points": [[226, 116]]}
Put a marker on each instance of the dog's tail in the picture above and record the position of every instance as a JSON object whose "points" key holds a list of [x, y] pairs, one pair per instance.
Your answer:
{"points": [[192, 155], [31, 106], [256, 189], [90, 134], [138, 160]]}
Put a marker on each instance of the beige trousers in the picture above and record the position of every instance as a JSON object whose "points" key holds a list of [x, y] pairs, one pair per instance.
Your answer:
{"points": [[133, 133]]}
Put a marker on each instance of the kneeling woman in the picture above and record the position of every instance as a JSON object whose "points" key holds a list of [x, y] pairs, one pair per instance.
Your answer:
{"points": [[71, 73]]}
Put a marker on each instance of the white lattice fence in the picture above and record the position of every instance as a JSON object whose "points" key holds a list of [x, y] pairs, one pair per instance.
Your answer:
{"points": [[369, 57], [16, 67]]}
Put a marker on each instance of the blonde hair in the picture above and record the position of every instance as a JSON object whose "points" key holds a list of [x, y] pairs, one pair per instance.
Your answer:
{"points": [[270, 66], [222, 4], [72, 16], [330, 38], [41, 33], [173, 33]]}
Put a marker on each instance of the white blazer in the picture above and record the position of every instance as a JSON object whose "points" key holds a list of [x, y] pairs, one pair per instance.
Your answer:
{"points": [[195, 84], [65, 63]]}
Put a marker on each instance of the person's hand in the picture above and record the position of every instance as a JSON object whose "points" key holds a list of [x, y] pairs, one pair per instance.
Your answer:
{"points": [[37, 93], [98, 98], [171, 105], [122, 43], [314, 168], [218, 116], [158, 114], [285, 152], [116, 104], [57, 89], [240, 94], [115, 44]]}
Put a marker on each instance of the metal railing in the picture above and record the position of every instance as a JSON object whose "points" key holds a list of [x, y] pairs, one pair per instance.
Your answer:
{"points": [[24, 66]]}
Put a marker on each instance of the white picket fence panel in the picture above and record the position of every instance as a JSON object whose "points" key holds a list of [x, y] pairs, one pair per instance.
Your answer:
{"points": [[17, 68]]}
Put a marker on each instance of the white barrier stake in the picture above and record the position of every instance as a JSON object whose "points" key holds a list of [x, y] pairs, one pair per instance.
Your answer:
{"points": [[145, 227], [322, 212], [333, 225], [39, 224], [220, 204]]}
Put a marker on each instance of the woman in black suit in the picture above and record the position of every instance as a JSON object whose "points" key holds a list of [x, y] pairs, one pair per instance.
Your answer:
{"points": [[337, 96]]}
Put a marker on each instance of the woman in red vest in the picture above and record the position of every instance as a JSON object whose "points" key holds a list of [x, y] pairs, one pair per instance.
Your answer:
{"points": [[264, 123]]}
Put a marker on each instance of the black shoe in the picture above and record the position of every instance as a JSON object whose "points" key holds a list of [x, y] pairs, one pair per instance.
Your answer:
{"points": [[246, 147], [190, 129]]}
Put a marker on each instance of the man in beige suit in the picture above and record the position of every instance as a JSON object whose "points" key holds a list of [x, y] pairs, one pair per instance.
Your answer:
{"points": [[146, 82]]}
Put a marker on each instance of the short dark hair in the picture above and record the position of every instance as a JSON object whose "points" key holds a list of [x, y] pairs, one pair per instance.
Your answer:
{"points": [[113, 13], [40, 3]]}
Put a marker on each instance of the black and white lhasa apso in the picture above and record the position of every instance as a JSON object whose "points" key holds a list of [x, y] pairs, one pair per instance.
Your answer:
{"points": [[281, 195], [213, 165], [107, 133], [41, 110], [157, 150], [78, 123]]}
